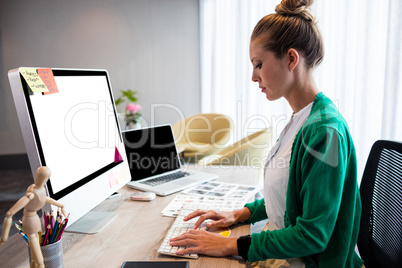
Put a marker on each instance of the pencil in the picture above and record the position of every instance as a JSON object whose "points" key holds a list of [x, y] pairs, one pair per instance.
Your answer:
{"points": [[46, 235], [45, 220], [49, 222], [19, 228], [63, 227], [24, 236], [51, 217], [47, 217], [56, 226]]}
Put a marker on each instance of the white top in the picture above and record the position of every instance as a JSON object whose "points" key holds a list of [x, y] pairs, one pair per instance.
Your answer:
{"points": [[276, 173]]}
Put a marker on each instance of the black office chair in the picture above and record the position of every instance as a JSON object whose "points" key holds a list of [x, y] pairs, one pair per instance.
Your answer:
{"points": [[380, 235]]}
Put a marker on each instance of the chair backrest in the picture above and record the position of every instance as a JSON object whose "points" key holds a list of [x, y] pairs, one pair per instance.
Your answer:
{"points": [[203, 128], [249, 151], [380, 235]]}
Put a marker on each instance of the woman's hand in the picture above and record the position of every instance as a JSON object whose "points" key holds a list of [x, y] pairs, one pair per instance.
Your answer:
{"points": [[219, 219], [204, 242]]}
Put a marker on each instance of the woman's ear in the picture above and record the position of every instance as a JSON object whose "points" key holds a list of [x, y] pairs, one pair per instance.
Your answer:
{"points": [[293, 58]]}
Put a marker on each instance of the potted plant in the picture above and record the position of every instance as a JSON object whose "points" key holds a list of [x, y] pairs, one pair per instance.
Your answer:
{"points": [[132, 110]]}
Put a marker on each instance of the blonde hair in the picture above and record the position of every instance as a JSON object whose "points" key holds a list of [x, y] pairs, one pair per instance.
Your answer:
{"points": [[292, 26]]}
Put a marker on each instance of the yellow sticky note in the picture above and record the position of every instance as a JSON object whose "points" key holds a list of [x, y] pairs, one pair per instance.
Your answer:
{"points": [[223, 231], [33, 80]]}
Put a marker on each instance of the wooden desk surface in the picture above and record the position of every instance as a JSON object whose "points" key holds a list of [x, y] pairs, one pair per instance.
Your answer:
{"points": [[134, 235]]}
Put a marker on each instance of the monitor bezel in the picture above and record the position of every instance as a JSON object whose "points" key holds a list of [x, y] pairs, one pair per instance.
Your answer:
{"points": [[76, 192], [94, 175]]}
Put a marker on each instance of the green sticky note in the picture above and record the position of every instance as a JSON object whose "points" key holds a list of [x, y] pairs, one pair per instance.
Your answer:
{"points": [[33, 80]]}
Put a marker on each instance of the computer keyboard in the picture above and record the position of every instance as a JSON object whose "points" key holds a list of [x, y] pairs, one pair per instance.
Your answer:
{"points": [[166, 178], [179, 227]]}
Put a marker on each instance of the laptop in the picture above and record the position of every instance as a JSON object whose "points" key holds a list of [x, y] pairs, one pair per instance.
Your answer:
{"points": [[155, 164]]}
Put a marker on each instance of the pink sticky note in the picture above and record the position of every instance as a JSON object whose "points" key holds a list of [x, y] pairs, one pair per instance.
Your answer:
{"points": [[117, 156], [47, 77], [112, 180]]}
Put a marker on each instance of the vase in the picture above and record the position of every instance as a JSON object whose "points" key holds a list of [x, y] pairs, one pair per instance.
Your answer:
{"points": [[122, 120], [132, 125]]}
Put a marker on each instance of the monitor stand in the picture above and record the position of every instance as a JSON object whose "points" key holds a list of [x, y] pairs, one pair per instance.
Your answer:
{"points": [[92, 223]]}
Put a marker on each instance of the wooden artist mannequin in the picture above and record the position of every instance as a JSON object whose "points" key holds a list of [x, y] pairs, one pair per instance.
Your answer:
{"points": [[34, 199]]}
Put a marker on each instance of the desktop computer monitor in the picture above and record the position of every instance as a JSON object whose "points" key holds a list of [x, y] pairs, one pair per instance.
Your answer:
{"points": [[69, 124]]}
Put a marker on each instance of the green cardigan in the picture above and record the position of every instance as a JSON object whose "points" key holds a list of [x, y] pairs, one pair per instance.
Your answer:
{"points": [[322, 202]]}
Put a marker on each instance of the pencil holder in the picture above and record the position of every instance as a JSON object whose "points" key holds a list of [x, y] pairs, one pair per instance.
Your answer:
{"points": [[52, 255]]}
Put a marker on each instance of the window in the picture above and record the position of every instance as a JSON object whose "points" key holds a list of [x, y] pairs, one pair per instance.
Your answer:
{"points": [[361, 71]]}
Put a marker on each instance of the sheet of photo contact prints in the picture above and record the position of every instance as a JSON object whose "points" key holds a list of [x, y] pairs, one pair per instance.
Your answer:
{"points": [[220, 196], [222, 189], [205, 202]]}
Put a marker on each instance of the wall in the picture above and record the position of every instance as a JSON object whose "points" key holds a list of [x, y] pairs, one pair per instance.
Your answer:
{"points": [[151, 46]]}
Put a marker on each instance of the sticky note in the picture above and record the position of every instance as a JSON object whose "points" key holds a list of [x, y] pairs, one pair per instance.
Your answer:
{"points": [[225, 233], [120, 173], [117, 156], [47, 77], [112, 180], [33, 80]]}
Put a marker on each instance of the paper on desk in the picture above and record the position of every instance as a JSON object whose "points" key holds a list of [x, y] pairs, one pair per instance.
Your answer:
{"points": [[174, 207], [222, 189], [224, 196], [219, 203]]}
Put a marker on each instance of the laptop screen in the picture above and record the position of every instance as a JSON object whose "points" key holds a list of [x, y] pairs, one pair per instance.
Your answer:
{"points": [[150, 151]]}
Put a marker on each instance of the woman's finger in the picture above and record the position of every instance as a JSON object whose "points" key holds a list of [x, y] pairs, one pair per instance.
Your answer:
{"points": [[194, 214], [186, 239], [189, 250], [209, 215]]}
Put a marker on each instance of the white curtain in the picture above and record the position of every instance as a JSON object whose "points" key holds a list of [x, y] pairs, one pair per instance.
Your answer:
{"points": [[361, 71]]}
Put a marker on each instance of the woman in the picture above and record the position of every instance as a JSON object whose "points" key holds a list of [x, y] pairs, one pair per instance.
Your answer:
{"points": [[312, 202]]}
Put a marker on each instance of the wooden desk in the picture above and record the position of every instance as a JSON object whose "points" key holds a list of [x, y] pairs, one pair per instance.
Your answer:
{"points": [[134, 235]]}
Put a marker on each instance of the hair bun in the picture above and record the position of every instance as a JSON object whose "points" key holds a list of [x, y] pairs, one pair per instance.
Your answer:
{"points": [[295, 8]]}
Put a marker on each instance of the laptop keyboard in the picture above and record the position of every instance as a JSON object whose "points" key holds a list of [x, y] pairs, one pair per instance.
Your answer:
{"points": [[166, 178]]}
